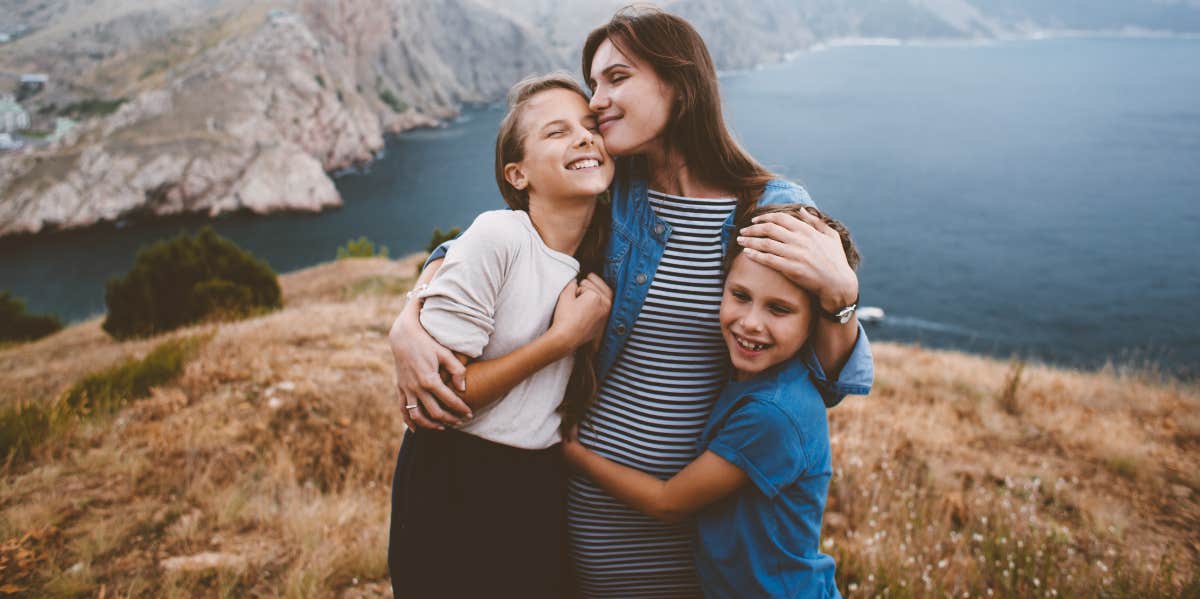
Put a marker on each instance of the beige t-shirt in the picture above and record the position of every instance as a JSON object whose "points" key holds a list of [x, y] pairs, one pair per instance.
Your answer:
{"points": [[495, 292]]}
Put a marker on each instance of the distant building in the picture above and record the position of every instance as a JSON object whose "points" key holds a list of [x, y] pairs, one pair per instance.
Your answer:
{"points": [[13, 116]]}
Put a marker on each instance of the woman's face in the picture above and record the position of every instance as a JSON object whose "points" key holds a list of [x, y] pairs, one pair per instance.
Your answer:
{"points": [[632, 103]]}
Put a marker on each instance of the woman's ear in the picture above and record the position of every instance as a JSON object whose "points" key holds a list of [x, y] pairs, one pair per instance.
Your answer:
{"points": [[515, 175]]}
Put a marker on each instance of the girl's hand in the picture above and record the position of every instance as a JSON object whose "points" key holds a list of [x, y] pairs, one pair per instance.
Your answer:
{"points": [[807, 252], [582, 311], [418, 382]]}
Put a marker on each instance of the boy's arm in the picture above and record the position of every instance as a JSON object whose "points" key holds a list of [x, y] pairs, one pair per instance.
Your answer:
{"points": [[705, 480]]}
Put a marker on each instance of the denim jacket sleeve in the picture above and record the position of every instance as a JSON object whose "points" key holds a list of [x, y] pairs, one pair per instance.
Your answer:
{"points": [[855, 378], [438, 253]]}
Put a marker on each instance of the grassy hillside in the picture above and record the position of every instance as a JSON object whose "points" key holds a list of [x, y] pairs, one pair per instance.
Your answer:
{"points": [[264, 469]]}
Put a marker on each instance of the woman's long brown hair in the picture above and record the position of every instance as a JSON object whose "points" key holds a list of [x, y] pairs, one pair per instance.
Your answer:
{"points": [[696, 130], [510, 147]]}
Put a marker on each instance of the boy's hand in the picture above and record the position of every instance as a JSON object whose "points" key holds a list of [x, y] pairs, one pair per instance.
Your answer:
{"points": [[806, 251], [573, 450]]}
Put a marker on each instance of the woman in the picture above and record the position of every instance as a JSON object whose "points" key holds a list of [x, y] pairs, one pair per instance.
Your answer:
{"points": [[681, 181]]}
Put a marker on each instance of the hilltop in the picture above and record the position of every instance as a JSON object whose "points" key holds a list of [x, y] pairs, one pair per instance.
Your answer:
{"points": [[264, 469]]}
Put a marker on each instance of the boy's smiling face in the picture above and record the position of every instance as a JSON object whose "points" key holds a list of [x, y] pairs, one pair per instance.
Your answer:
{"points": [[765, 319]]}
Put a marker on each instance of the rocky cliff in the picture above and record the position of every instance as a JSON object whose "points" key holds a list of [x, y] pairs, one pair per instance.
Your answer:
{"points": [[256, 117], [234, 105]]}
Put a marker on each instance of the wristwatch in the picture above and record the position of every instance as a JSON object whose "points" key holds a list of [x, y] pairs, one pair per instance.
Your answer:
{"points": [[842, 315]]}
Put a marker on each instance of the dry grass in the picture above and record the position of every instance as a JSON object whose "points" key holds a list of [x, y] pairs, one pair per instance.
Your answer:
{"points": [[266, 467]]}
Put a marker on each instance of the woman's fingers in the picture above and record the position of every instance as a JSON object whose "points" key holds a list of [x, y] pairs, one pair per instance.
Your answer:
{"points": [[406, 401], [420, 419]]}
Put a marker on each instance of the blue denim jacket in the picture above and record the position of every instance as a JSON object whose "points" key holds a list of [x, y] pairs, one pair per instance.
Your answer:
{"points": [[635, 248]]}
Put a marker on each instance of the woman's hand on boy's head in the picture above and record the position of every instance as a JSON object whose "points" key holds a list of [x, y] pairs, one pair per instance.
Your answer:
{"points": [[806, 251]]}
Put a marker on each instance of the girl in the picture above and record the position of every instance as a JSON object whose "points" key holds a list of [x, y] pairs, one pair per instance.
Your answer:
{"points": [[463, 498], [759, 485], [680, 183]]}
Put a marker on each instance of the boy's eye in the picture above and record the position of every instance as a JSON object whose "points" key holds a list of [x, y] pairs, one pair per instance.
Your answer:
{"points": [[741, 296]]}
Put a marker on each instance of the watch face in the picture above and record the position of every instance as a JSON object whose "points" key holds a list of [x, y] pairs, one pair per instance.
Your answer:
{"points": [[843, 315]]}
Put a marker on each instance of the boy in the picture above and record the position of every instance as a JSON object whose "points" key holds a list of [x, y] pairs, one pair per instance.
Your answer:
{"points": [[759, 485]]}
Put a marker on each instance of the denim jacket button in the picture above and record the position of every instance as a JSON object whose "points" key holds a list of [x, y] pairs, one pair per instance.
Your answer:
{"points": [[659, 228], [620, 329], [641, 278]]}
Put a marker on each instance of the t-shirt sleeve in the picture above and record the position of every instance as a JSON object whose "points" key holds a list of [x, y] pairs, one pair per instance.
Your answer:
{"points": [[460, 302], [761, 439]]}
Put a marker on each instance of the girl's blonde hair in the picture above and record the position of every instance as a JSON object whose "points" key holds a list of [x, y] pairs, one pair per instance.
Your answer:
{"points": [[510, 147]]}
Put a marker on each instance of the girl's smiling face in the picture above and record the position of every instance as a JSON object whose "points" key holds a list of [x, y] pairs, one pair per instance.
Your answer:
{"points": [[564, 154], [633, 104], [765, 318]]}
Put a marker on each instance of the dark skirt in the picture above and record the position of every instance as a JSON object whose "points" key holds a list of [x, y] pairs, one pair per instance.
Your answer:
{"points": [[472, 518]]}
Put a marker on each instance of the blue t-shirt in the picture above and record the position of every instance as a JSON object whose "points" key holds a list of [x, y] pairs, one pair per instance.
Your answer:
{"points": [[764, 539]]}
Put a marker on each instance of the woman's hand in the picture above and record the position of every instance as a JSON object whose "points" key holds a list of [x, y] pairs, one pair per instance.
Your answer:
{"points": [[418, 382], [807, 252], [582, 311]]}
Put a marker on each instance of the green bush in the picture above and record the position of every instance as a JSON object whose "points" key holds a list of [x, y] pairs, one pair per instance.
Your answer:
{"points": [[439, 238], [109, 390], [187, 279], [22, 426], [16, 325], [361, 248], [396, 104]]}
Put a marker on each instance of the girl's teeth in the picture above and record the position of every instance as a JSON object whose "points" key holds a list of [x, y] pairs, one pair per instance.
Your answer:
{"points": [[584, 164]]}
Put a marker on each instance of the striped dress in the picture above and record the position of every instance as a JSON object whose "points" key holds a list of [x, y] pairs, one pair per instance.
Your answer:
{"points": [[651, 408]]}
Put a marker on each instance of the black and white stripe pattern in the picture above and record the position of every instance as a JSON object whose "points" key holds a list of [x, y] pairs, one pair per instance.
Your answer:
{"points": [[651, 408]]}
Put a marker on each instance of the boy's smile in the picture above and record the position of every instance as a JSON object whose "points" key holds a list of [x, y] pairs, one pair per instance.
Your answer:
{"points": [[765, 318]]}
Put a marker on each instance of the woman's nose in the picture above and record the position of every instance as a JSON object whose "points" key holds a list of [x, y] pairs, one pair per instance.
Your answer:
{"points": [[599, 100]]}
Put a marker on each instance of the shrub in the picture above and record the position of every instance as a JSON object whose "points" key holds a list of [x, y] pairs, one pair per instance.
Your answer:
{"points": [[361, 248], [109, 390], [16, 325], [439, 238], [391, 100], [22, 426], [187, 279]]}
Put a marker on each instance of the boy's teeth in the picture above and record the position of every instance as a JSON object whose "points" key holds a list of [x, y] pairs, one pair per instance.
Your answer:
{"points": [[750, 346]]}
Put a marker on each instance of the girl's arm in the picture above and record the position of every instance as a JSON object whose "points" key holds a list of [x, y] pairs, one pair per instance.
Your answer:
{"points": [[579, 317], [705, 480]]}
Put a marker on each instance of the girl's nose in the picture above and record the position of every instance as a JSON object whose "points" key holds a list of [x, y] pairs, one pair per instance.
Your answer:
{"points": [[588, 138]]}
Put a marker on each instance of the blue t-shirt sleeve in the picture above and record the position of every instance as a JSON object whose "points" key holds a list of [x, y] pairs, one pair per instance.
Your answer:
{"points": [[762, 440]]}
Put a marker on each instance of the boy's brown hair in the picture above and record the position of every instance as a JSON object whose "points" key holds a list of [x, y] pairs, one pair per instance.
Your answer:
{"points": [[735, 249]]}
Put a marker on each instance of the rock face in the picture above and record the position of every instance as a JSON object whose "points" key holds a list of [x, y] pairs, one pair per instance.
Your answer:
{"points": [[247, 104], [255, 121]]}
